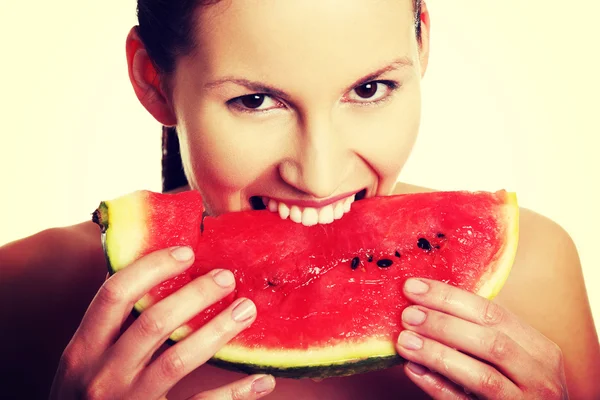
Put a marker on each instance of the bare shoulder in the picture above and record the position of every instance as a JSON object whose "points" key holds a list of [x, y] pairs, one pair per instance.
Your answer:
{"points": [[48, 279], [55, 266], [55, 247], [546, 290], [58, 267], [546, 281]]}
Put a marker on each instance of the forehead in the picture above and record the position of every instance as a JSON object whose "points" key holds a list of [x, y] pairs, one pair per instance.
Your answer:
{"points": [[272, 38]]}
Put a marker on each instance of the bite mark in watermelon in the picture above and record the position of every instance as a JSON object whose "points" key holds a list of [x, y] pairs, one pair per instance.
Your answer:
{"points": [[329, 297]]}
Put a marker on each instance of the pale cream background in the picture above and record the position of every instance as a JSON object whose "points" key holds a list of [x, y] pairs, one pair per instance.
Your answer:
{"points": [[511, 100]]}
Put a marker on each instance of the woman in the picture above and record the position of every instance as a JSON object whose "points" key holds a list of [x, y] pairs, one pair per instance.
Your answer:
{"points": [[297, 102]]}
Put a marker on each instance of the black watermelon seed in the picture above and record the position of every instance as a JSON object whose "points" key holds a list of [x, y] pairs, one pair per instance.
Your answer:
{"points": [[397, 254], [271, 283], [441, 235], [384, 263], [355, 262], [424, 244], [369, 258]]}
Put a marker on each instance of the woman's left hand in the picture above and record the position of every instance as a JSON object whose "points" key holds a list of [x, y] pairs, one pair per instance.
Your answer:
{"points": [[460, 344]]}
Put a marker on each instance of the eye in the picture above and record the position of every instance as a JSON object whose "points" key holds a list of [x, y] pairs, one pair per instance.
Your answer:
{"points": [[371, 92], [255, 103], [367, 90]]}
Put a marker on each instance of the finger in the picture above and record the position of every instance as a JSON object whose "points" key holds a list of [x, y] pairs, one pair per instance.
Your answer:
{"points": [[484, 343], [471, 307], [190, 353], [252, 387], [434, 384], [112, 304], [471, 374], [136, 346]]}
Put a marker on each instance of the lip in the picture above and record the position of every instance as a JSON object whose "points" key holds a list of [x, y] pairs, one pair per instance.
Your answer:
{"points": [[315, 203]]}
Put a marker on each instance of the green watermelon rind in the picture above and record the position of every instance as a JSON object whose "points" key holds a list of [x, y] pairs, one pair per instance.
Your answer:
{"points": [[321, 371], [129, 226]]}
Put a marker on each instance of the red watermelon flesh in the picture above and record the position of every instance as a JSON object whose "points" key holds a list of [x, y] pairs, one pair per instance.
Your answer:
{"points": [[325, 287]]}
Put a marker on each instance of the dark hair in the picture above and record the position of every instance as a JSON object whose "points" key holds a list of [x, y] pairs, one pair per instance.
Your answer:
{"points": [[166, 29]]}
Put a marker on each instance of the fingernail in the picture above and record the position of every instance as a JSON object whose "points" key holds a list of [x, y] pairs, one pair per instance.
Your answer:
{"points": [[416, 369], [243, 311], [224, 278], [182, 253], [413, 316], [263, 384], [416, 286], [410, 341]]}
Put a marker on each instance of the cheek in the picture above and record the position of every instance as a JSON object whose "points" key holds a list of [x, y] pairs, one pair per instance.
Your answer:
{"points": [[225, 154], [384, 138]]}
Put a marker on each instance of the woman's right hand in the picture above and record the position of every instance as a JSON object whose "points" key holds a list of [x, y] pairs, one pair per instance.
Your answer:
{"points": [[100, 362]]}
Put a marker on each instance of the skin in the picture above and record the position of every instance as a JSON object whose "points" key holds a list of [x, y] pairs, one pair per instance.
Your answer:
{"points": [[310, 145], [309, 142]]}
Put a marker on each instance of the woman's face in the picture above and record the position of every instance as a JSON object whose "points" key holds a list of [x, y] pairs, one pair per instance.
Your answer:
{"points": [[302, 104]]}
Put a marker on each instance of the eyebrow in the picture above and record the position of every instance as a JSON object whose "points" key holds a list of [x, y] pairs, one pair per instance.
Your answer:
{"points": [[400, 63], [259, 87]]}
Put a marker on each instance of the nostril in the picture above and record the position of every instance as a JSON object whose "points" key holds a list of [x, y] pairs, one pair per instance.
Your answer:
{"points": [[257, 203]]}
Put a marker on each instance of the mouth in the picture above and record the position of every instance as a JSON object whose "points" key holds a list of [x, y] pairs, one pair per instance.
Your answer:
{"points": [[308, 213]]}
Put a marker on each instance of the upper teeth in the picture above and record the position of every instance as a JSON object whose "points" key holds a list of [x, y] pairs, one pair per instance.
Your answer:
{"points": [[309, 216]]}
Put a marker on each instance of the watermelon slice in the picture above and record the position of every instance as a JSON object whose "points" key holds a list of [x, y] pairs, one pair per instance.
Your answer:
{"points": [[329, 297]]}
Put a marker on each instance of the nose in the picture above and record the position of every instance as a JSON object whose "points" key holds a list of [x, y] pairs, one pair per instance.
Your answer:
{"points": [[320, 162]]}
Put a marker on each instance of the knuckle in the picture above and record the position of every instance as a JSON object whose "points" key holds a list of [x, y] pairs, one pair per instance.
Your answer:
{"points": [[68, 361], [491, 314], [499, 346], [238, 393], [224, 327], [150, 325], [438, 384], [172, 366], [442, 325], [447, 297], [440, 360], [202, 287], [96, 390], [490, 384], [221, 328], [112, 292]]}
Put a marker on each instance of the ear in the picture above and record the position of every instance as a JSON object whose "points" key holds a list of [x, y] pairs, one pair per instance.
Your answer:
{"points": [[425, 38], [146, 81]]}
